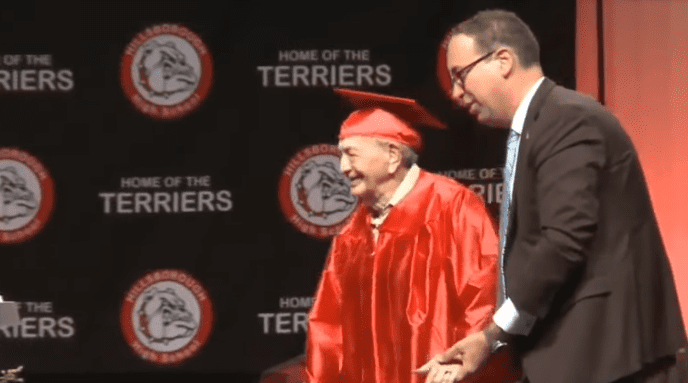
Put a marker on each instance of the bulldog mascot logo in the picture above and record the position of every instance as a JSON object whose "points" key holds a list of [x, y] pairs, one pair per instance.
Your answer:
{"points": [[166, 71], [314, 194], [166, 317], [323, 190], [163, 317], [163, 70], [26, 196], [16, 200]]}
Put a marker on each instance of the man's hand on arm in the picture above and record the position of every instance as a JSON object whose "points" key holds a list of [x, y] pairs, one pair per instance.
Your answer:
{"points": [[464, 359]]}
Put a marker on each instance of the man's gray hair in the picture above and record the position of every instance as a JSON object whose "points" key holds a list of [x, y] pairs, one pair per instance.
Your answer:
{"points": [[408, 156]]}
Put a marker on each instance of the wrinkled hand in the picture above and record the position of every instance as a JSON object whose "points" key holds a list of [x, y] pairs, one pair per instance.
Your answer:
{"points": [[461, 361]]}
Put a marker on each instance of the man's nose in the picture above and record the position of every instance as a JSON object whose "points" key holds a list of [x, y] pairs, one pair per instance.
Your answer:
{"points": [[457, 93], [460, 97]]}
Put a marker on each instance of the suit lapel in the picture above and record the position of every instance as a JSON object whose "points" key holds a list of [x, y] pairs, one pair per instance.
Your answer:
{"points": [[532, 116]]}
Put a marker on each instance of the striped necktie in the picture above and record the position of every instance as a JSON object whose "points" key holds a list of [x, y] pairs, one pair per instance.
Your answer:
{"points": [[509, 169]]}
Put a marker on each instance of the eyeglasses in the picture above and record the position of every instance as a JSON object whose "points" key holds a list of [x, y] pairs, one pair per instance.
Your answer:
{"points": [[459, 77]]}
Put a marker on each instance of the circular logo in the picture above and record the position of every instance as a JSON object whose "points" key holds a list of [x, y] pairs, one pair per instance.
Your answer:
{"points": [[166, 71], [314, 194], [166, 317], [28, 196]]}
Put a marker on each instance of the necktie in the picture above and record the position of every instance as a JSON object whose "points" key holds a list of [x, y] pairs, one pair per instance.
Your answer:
{"points": [[509, 170]]}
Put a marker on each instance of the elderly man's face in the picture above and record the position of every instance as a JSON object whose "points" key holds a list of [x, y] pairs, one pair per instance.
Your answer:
{"points": [[365, 164]]}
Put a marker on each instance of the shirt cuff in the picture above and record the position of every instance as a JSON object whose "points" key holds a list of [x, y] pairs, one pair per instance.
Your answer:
{"points": [[509, 319]]}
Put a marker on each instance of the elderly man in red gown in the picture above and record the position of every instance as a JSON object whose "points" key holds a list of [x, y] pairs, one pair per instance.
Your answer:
{"points": [[413, 271]]}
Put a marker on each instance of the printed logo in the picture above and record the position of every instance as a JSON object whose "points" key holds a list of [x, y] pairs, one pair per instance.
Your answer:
{"points": [[166, 71], [40, 320], [27, 193], [166, 195], [291, 319], [325, 68], [34, 73], [487, 183], [314, 194], [166, 317]]}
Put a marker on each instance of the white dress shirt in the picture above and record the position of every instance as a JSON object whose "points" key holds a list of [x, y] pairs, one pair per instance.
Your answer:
{"points": [[402, 191]]}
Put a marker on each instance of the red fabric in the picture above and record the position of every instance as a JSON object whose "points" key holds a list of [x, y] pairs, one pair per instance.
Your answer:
{"points": [[383, 310], [382, 124], [649, 95]]}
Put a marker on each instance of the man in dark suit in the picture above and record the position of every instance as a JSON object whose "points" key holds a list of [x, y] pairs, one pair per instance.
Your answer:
{"points": [[588, 295]]}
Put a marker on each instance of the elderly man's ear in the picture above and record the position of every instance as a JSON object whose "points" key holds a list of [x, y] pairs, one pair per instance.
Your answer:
{"points": [[395, 158]]}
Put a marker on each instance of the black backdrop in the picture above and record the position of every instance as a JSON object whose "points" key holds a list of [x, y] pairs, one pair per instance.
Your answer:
{"points": [[258, 269]]}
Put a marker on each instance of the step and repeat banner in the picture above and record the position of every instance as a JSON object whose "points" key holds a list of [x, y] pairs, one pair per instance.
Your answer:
{"points": [[170, 177]]}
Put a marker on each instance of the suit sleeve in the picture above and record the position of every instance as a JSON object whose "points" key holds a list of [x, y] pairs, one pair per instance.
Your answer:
{"points": [[567, 163], [477, 243], [324, 342]]}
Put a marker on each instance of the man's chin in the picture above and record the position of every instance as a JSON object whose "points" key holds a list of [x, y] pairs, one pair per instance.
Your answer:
{"points": [[485, 120], [365, 198], [355, 192]]}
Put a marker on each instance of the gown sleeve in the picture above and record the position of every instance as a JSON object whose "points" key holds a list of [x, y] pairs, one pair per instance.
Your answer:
{"points": [[476, 260], [324, 342], [479, 246]]}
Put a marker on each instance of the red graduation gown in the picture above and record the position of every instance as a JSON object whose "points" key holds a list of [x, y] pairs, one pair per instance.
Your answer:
{"points": [[384, 309]]}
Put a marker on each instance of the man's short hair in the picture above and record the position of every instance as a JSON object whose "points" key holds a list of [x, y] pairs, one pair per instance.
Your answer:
{"points": [[408, 156], [494, 28]]}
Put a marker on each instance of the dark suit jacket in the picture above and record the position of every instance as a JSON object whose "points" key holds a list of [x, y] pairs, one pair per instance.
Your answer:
{"points": [[584, 252]]}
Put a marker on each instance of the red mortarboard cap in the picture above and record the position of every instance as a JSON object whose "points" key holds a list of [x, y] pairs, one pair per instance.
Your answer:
{"points": [[384, 116]]}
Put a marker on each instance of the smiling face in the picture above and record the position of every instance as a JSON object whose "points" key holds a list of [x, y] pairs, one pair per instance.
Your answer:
{"points": [[367, 166], [477, 81]]}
